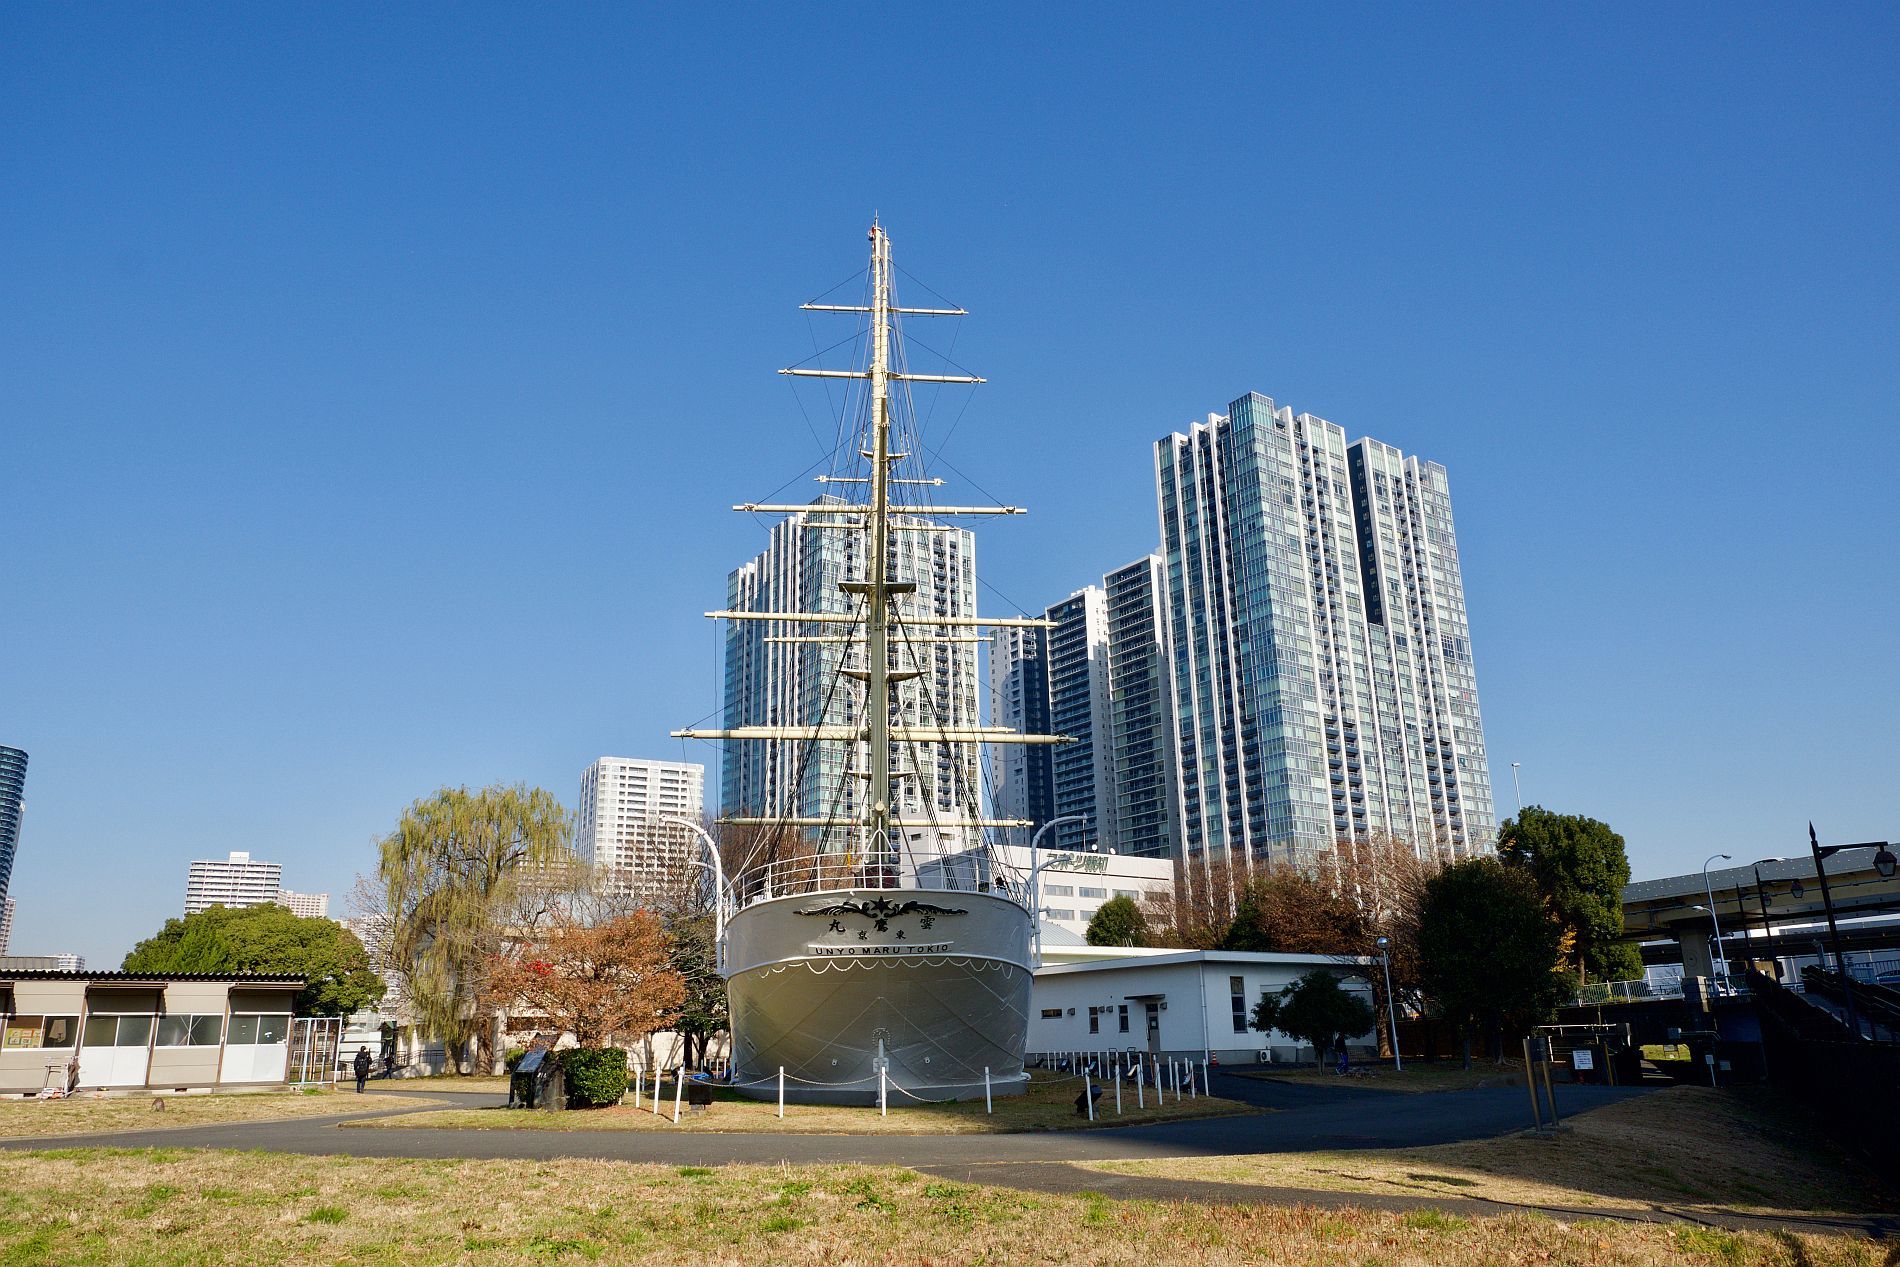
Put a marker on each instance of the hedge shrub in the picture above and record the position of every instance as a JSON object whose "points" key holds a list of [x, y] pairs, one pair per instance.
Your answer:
{"points": [[595, 1076]]}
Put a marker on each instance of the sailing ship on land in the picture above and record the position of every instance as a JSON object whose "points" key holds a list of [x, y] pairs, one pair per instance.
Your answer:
{"points": [[886, 953]]}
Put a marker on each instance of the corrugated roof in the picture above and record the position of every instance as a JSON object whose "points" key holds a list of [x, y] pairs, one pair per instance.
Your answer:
{"points": [[148, 978]]}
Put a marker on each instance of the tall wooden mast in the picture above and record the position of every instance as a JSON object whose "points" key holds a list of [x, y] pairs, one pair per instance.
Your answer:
{"points": [[877, 631], [878, 588]]}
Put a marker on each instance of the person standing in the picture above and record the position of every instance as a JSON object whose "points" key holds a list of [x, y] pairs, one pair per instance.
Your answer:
{"points": [[361, 1065]]}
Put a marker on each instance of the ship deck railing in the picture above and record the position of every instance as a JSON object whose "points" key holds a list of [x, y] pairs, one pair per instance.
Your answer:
{"points": [[808, 873]]}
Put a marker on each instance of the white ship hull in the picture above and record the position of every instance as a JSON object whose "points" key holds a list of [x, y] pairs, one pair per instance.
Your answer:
{"points": [[931, 985]]}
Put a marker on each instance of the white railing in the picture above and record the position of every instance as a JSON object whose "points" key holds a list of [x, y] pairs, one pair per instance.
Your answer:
{"points": [[1628, 991], [815, 872]]}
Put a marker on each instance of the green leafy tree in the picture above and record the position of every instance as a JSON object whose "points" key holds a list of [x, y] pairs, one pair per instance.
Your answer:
{"points": [[1118, 922], [269, 941], [464, 874], [1580, 866], [692, 955], [1490, 953], [1316, 1010]]}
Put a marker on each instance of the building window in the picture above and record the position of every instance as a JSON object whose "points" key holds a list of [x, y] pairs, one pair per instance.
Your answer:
{"points": [[259, 1029], [1052, 1014], [1088, 892], [190, 1031], [1122, 1017], [118, 1031], [1095, 1020], [1237, 989], [41, 1031], [1059, 890]]}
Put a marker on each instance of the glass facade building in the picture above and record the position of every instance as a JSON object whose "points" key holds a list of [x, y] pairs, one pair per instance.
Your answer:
{"points": [[1081, 772], [1020, 776], [1141, 720], [12, 806], [788, 674], [1321, 662]]}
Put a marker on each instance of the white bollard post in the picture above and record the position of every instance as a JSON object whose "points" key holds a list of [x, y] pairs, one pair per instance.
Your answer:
{"points": [[1207, 1086], [656, 1091], [988, 1107], [1141, 1088], [883, 1105], [679, 1089], [639, 1085], [781, 1092], [1088, 1098], [1118, 1090]]}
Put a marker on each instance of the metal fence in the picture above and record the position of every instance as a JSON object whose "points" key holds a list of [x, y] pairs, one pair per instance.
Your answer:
{"points": [[314, 1043], [1811, 1056], [1629, 991]]}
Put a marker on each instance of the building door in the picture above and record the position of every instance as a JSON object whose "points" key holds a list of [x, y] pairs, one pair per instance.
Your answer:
{"points": [[116, 1051], [257, 1048], [1153, 1009]]}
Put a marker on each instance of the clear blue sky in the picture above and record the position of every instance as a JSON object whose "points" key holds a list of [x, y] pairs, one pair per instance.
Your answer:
{"points": [[372, 382]]}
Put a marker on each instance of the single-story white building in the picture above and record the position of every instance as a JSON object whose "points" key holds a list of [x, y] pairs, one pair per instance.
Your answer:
{"points": [[1194, 1003], [1071, 884], [133, 1030]]}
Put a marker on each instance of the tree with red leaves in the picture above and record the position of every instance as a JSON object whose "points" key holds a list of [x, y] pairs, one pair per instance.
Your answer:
{"points": [[598, 982]]}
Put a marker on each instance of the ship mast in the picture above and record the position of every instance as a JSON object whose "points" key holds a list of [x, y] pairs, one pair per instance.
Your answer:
{"points": [[877, 589], [877, 563]]}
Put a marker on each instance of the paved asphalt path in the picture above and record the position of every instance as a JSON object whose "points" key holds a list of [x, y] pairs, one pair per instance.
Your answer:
{"points": [[1303, 1119]]}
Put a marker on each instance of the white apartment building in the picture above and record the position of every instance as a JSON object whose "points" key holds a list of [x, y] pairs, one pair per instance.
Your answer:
{"points": [[6, 923], [306, 905], [620, 827], [232, 881]]}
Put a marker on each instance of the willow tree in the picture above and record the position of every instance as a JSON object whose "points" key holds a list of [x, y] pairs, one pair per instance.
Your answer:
{"points": [[465, 873]]}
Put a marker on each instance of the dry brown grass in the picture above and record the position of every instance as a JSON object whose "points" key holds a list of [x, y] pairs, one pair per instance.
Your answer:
{"points": [[87, 1115], [83, 1207], [1686, 1148], [1049, 1104], [447, 1082]]}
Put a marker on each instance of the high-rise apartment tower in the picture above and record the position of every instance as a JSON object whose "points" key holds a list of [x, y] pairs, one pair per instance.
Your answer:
{"points": [[784, 674], [232, 881], [1020, 785], [1323, 680], [1141, 715], [620, 827], [12, 807], [1082, 771]]}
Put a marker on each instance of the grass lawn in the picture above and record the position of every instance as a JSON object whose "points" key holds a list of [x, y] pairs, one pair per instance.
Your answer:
{"points": [[1686, 1147], [1049, 1104], [84, 1115], [1415, 1077], [446, 1082], [171, 1206]]}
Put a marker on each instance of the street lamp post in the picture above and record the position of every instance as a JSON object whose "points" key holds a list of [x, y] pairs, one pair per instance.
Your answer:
{"points": [[1391, 1010], [1517, 788], [1714, 919], [719, 877], [1884, 864], [1035, 874], [1767, 926]]}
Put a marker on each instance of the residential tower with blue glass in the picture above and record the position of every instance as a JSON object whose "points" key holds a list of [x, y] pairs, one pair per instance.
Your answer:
{"points": [[1322, 679]]}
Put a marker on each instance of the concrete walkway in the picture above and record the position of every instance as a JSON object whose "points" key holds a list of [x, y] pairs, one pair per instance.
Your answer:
{"points": [[1303, 1118]]}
